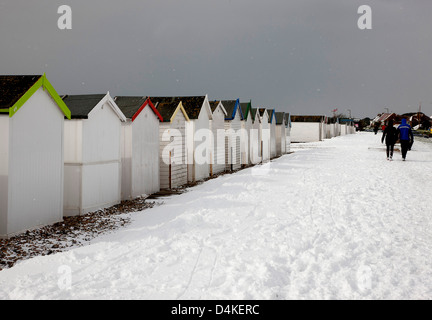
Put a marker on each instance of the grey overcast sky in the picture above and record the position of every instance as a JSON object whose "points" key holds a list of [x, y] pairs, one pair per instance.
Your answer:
{"points": [[298, 56]]}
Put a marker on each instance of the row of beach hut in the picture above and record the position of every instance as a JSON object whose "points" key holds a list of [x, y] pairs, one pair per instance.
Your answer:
{"points": [[67, 155], [317, 128]]}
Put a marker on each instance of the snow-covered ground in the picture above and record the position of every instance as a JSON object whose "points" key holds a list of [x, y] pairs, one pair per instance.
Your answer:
{"points": [[333, 220]]}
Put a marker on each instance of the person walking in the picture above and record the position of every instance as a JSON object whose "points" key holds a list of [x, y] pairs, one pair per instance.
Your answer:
{"points": [[376, 127], [390, 135], [406, 137]]}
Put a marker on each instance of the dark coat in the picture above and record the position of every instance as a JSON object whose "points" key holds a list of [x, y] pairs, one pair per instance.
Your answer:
{"points": [[390, 134], [405, 132]]}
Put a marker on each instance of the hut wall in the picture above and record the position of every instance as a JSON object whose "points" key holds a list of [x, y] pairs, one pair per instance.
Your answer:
{"points": [[255, 139], [233, 143], [273, 138], [198, 147], [305, 132], [288, 139], [178, 170], [246, 140], [280, 140], [145, 177], [265, 138], [343, 129], [126, 160], [100, 167], [35, 184], [218, 141], [4, 172]]}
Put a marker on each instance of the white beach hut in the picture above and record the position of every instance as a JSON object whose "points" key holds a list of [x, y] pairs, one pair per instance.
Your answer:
{"points": [[288, 132], [255, 137], [265, 134], [272, 124], [347, 126], [247, 125], [139, 147], [343, 128], [31, 154], [330, 128], [280, 133], [307, 128], [92, 173], [219, 113], [198, 139], [233, 131], [172, 138], [337, 127]]}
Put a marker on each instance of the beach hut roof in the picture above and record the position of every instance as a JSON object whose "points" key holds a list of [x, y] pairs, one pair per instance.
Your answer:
{"points": [[254, 112], [131, 106], [261, 111], [192, 104], [386, 116], [231, 107], [280, 117], [307, 118], [16, 90], [246, 108], [214, 104], [169, 109], [81, 105], [288, 119], [271, 114]]}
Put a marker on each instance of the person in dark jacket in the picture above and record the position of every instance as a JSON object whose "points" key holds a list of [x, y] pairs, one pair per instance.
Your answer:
{"points": [[376, 127], [406, 137], [391, 135]]}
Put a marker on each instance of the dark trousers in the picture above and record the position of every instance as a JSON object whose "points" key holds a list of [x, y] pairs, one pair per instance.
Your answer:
{"points": [[405, 144], [390, 148]]}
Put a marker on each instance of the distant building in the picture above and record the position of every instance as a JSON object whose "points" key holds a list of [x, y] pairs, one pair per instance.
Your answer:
{"points": [[414, 119], [307, 128], [418, 119]]}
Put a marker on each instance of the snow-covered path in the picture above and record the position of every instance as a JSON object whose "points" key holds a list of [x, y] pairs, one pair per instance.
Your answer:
{"points": [[333, 220]]}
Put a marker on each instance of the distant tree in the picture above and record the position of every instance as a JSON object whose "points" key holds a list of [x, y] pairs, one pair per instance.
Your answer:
{"points": [[367, 121], [363, 123]]}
